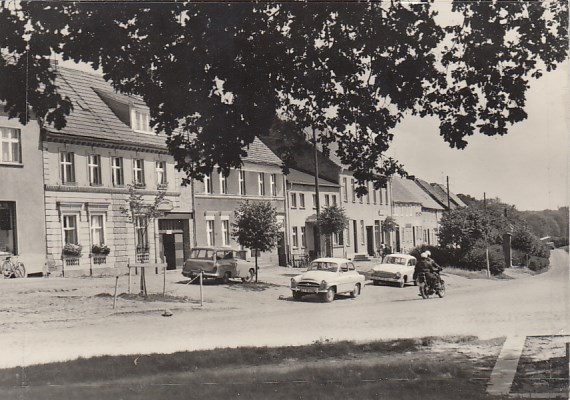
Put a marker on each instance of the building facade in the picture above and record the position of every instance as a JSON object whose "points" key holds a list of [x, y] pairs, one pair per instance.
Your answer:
{"points": [[217, 197], [89, 167], [22, 216]]}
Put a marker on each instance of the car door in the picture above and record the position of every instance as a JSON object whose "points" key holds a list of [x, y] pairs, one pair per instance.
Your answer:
{"points": [[226, 262], [347, 281]]}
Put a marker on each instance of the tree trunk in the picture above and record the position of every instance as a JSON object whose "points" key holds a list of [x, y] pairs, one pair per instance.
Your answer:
{"points": [[143, 283], [256, 266]]}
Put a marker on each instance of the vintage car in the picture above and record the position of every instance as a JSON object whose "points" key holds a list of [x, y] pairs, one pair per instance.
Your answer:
{"points": [[395, 268], [218, 263], [328, 277]]}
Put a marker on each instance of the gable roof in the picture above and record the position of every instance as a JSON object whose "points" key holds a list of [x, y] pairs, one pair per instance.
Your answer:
{"points": [[302, 178], [452, 196], [408, 191], [439, 194], [99, 115]]}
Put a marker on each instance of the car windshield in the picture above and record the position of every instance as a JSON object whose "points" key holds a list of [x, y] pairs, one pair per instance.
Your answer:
{"points": [[202, 254], [395, 260], [323, 266]]}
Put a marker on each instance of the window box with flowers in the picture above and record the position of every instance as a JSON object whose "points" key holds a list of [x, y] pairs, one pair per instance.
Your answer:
{"points": [[71, 253], [99, 253]]}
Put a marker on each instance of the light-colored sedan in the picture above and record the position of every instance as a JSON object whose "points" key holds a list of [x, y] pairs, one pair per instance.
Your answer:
{"points": [[328, 277], [395, 268]]}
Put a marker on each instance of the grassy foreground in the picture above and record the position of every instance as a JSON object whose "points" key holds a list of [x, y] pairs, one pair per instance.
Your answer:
{"points": [[429, 368]]}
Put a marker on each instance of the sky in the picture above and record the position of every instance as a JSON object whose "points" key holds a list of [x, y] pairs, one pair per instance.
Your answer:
{"points": [[528, 167]]}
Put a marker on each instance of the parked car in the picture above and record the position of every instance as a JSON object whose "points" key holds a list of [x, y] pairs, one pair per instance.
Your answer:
{"points": [[395, 268], [218, 263], [328, 277]]}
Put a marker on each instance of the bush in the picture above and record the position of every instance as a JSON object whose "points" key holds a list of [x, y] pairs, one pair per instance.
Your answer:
{"points": [[476, 259], [102, 249], [560, 242], [537, 264], [445, 257]]}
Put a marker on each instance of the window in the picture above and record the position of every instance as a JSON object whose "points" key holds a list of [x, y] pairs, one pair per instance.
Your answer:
{"points": [[348, 236], [242, 183], [339, 238], [261, 183], [10, 148], [314, 201], [327, 200], [94, 167], [225, 232], [138, 172], [223, 184], [70, 229], [301, 200], [273, 185], [141, 121], [374, 196], [380, 193], [345, 186], [361, 231], [293, 200], [117, 171], [353, 192], [210, 232], [333, 197], [161, 173], [141, 230], [67, 166], [368, 193], [295, 237], [97, 230], [8, 240], [303, 240], [207, 184]]}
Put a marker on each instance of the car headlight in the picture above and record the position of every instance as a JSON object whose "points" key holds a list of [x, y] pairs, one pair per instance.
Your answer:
{"points": [[293, 282], [398, 275], [323, 284]]}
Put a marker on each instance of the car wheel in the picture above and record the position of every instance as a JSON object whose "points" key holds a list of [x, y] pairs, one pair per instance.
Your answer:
{"points": [[329, 295], [226, 278], [249, 277], [356, 291], [441, 291], [297, 295]]}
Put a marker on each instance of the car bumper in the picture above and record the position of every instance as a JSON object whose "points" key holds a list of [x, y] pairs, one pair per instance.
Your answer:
{"points": [[205, 274], [382, 279], [309, 290]]}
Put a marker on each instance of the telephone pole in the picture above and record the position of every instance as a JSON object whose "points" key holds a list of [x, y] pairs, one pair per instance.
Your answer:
{"points": [[317, 199]]}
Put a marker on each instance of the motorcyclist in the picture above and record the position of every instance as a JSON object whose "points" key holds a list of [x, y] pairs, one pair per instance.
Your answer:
{"points": [[434, 268], [428, 267]]}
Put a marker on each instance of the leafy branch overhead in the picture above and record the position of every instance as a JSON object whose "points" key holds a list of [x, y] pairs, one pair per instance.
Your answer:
{"points": [[220, 73]]}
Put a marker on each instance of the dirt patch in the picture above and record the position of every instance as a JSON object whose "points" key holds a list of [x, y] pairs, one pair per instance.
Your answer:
{"points": [[543, 366]]}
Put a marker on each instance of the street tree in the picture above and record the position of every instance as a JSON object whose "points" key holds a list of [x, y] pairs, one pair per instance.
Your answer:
{"points": [[332, 220], [142, 213], [216, 74], [256, 227]]}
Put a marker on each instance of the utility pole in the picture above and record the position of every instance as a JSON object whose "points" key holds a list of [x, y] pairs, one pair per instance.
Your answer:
{"points": [[448, 203], [317, 200], [486, 234]]}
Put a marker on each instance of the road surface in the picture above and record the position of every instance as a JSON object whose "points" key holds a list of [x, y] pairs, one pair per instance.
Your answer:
{"points": [[531, 305]]}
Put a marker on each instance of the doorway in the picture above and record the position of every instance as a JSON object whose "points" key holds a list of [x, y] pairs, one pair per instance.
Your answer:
{"points": [[355, 232], [370, 240], [169, 248]]}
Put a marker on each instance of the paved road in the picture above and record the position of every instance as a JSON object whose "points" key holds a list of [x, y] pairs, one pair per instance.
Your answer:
{"points": [[533, 305]]}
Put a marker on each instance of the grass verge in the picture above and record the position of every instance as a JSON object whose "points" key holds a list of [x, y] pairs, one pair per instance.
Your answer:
{"points": [[428, 368]]}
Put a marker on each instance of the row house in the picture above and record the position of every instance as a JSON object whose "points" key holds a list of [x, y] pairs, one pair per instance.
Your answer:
{"points": [[416, 214], [22, 216], [217, 197], [441, 195], [302, 217], [88, 166]]}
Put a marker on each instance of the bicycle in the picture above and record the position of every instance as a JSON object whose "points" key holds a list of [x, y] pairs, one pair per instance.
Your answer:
{"points": [[11, 269]]}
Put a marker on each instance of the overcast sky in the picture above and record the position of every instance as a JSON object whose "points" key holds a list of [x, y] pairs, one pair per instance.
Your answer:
{"points": [[528, 167]]}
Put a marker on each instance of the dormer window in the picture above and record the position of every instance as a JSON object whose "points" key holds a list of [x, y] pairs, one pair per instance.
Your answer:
{"points": [[140, 121]]}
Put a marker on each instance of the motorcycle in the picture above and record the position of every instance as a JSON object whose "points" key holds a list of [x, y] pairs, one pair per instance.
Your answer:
{"points": [[426, 289]]}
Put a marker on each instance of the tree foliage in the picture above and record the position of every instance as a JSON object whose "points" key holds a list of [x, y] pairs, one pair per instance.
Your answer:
{"points": [[389, 224], [332, 220], [256, 225], [216, 74]]}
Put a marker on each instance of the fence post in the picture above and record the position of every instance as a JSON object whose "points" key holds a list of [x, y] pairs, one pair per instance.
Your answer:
{"points": [[201, 296], [164, 282], [115, 295]]}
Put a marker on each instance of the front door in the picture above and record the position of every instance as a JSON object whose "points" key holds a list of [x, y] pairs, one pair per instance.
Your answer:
{"points": [[169, 248], [355, 231], [370, 240]]}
